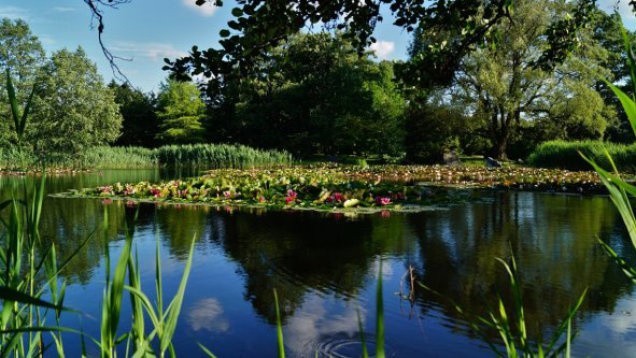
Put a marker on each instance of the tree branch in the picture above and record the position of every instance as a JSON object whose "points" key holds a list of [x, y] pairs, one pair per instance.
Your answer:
{"points": [[95, 7]]}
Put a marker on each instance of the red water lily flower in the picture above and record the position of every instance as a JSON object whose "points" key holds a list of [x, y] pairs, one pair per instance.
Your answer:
{"points": [[291, 196]]}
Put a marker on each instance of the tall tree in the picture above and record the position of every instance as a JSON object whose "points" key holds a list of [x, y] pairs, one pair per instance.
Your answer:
{"points": [[21, 52], [140, 122], [181, 112], [506, 85], [74, 109], [259, 25], [317, 95]]}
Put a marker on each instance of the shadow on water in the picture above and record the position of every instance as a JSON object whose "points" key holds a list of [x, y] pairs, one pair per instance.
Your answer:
{"points": [[324, 268]]}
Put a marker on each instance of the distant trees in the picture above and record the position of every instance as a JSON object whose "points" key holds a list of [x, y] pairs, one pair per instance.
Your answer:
{"points": [[21, 52], [140, 122], [180, 110], [73, 109], [315, 94], [504, 85]]}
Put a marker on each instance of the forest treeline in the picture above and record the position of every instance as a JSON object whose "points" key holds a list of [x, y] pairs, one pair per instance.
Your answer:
{"points": [[317, 95]]}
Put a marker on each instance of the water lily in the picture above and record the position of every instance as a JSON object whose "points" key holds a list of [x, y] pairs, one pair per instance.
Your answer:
{"points": [[291, 196], [383, 200]]}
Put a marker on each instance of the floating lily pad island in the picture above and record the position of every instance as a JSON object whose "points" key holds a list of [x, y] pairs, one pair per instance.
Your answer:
{"points": [[344, 189]]}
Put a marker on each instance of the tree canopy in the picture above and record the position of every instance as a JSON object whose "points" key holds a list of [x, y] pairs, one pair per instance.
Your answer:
{"points": [[180, 110], [503, 84], [22, 54], [314, 95], [74, 109], [260, 25]]}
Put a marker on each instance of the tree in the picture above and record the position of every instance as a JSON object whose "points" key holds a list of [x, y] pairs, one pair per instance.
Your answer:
{"points": [[608, 30], [260, 25], [181, 111], [74, 109], [140, 122], [315, 94], [504, 84], [22, 54]]}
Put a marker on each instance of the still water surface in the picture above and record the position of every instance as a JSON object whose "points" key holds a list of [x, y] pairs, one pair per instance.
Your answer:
{"points": [[325, 269]]}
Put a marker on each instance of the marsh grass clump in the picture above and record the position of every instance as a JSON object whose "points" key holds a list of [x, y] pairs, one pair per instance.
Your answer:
{"points": [[209, 156], [565, 155]]}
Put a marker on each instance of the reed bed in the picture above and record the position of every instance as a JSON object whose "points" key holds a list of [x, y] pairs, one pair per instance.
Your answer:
{"points": [[211, 156], [565, 155]]}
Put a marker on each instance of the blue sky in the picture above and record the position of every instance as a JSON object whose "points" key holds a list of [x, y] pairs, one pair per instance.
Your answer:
{"points": [[147, 31]]}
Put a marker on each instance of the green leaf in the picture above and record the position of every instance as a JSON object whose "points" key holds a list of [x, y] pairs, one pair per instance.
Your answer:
{"points": [[11, 295], [379, 317], [279, 328], [237, 12]]}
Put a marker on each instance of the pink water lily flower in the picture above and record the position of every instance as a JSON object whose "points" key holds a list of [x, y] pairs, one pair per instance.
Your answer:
{"points": [[291, 196], [383, 200]]}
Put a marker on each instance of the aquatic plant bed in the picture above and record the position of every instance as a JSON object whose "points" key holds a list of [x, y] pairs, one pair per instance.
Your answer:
{"points": [[344, 189]]}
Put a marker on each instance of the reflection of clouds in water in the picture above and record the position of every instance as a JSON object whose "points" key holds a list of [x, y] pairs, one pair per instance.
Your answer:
{"points": [[623, 320], [314, 322], [207, 314], [387, 269], [614, 334]]}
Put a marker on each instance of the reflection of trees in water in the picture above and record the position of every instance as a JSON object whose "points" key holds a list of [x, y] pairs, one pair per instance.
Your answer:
{"points": [[179, 224], [298, 252], [553, 238], [69, 222]]}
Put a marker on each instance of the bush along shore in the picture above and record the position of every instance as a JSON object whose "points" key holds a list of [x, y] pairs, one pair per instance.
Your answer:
{"points": [[347, 189], [104, 157]]}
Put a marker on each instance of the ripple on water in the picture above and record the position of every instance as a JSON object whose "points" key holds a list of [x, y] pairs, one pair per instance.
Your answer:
{"points": [[349, 347]]}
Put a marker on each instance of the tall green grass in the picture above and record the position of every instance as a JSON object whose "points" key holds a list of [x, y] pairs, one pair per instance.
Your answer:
{"points": [[565, 155], [209, 156], [30, 326]]}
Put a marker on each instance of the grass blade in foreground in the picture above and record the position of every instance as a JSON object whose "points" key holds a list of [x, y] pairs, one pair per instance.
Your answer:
{"points": [[279, 328]]}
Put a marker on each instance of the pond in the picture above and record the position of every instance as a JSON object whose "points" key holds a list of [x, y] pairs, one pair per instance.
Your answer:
{"points": [[325, 268]]}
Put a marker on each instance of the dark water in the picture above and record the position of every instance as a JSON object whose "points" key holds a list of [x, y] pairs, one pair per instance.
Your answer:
{"points": [[325, 269]]}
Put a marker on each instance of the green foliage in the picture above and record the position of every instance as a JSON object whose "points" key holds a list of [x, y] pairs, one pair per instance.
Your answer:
{"points": [[140, 122], [105, 157], [435, 128], [19, 117], [315, 95], [221, 156], [565, 155], [256, 29], [503, 86], [73, 110], [181, 111], [21, 54]]}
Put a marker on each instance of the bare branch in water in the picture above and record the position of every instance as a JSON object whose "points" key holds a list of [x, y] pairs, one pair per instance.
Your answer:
{"points": [[96, 7]]}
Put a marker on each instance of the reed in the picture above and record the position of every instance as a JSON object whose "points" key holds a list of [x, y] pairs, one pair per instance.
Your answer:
{"points": [[510, 322], [209, 156], [565, 155]]}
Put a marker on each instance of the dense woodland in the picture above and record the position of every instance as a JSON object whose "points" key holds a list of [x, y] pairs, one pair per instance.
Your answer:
{"points": [[316, 94]]}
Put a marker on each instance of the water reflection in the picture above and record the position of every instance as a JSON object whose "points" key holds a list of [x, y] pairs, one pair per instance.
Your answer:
{"points": [[324, 268]]}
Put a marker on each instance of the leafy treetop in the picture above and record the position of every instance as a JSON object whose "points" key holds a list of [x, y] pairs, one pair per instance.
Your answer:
{"points": [[258, 26]]}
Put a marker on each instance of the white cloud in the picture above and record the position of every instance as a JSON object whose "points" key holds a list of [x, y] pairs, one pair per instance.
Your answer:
{"points": [[383, 49], [206, 9], [13, 12], [207, 314], [151, 51], [313, 326]]}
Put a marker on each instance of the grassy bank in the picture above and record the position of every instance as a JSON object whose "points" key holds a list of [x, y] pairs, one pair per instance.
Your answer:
{"points": [[104, 157], [565, 155]]}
